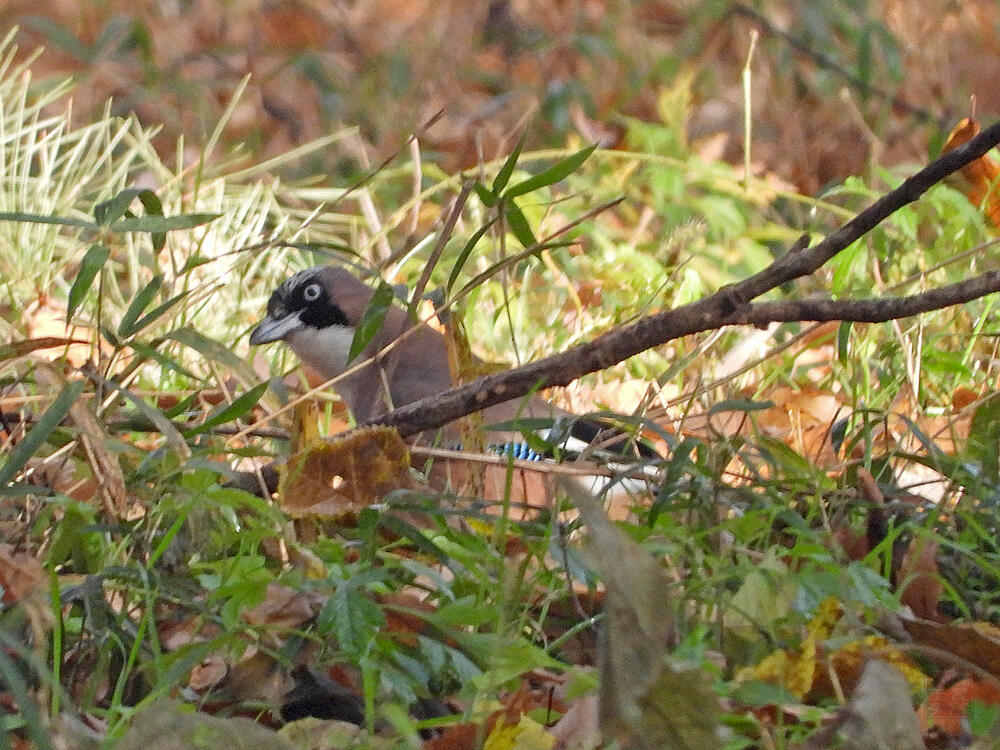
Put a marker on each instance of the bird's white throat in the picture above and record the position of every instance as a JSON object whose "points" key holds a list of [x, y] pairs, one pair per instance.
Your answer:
{"points": [[325, 350]]}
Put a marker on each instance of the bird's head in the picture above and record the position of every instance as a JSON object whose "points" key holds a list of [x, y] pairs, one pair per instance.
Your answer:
{"points": [[315, 312]]}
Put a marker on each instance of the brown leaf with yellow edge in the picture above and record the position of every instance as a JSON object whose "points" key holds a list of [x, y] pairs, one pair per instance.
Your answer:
{"points": [[979, 180], [337, 479], [813, 670]]}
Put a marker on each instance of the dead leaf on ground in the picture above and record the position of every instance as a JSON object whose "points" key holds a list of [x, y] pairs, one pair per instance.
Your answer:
{"points": [[20, 574], [647, 698], [814, 671], [284, 607], [170, 725], [879, 715], [921, 580], [579, 728], [945, 708], [977, 643]]}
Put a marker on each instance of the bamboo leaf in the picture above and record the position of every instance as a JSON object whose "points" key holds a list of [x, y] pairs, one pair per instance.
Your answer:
{"points": [[371, 320], [38, 434], [519, 226], [503, 176], [558, 171], [228, 412], [139, 303], [93, 261]]}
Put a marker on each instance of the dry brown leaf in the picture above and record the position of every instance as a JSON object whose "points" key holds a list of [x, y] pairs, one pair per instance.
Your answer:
{"points": [[977, 643], [284, 607], [107, 472], [980, 180], [879, 715], [921, 580], [20, 574], [340, 477], [647, 698], [208, 673], [579, 728], [946, 707]]}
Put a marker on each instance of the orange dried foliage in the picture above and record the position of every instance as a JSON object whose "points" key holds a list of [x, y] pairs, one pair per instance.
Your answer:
{"points": [[980, 180], [946, 707]]}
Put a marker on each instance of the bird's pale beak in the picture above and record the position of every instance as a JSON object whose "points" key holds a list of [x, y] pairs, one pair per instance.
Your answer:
{"points": [[274, 329]]}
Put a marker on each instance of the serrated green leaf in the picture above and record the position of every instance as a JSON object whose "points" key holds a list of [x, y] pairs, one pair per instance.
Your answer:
{"points": [[558, 171], [353, 617], [371, 320], [503, 176], [519, 226], [139, 303], [38, 434], [228, 412], [93, 261]]}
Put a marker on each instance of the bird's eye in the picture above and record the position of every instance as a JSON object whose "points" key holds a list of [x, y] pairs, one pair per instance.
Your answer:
{"points": [[312, 292]]}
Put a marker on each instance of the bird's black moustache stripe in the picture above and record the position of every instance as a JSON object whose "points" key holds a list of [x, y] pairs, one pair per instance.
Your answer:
{"points": [[323, 314]]}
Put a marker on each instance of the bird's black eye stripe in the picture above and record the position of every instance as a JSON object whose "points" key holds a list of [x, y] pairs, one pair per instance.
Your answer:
{"points": [[309, 299]]}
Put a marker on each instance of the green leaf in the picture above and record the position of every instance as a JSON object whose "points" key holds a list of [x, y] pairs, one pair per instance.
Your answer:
{"points": [[739, 404], [93, 261], [984, 438], [487, 196], [228, 412], [463, 256], [503, 176], [115, 208], [157, 224], [151, 202], [38, 434], [519, 226], [157, 418], [371, 320], [354, 617], [139, 303], [558, 171], [213, 350], [843, 337], [154, 314], [40, 219]]}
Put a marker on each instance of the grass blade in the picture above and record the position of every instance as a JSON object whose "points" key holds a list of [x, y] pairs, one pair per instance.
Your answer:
{"points": [[38, 434]]}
